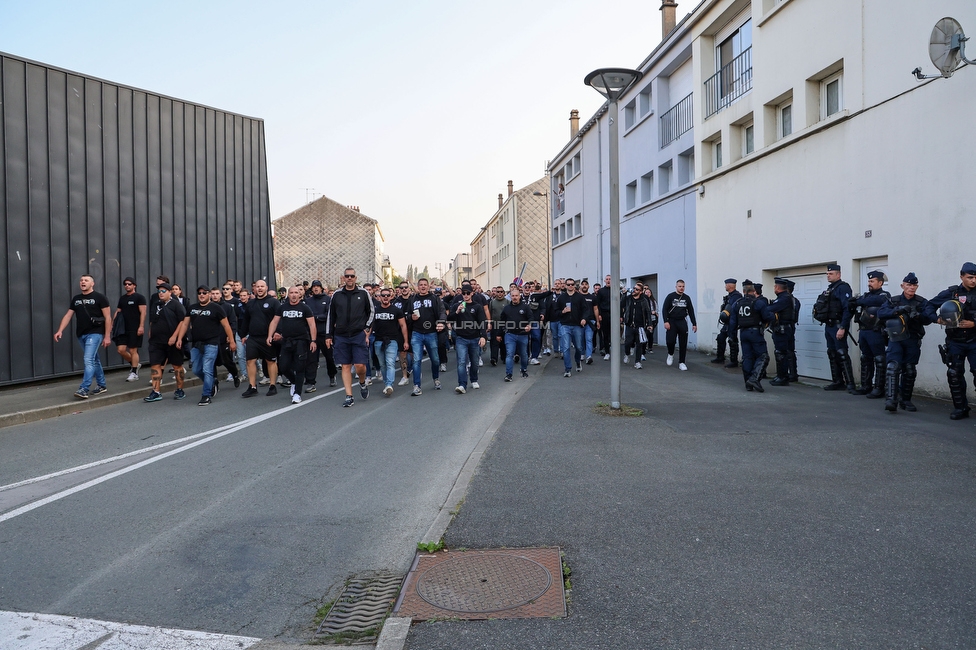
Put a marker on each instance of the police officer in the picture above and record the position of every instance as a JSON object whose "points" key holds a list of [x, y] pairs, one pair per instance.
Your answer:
{"points": [[873, 338], [956, 309], [905, 320], [781, 318], [747, 322], [319, 301], [794, 375], [831, 310], [728, 302]]}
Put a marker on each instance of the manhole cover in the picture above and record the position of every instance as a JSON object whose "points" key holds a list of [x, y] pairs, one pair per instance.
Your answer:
{"points": [[483, 583]]}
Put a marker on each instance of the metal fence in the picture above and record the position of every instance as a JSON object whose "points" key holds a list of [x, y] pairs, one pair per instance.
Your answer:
{"points": [[677, 121], [113, 181], [729, 83]]}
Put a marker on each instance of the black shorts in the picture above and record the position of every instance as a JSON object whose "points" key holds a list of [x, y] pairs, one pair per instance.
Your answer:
{"points": [[351, 350], [256, 349], [130, 340], [160, 354]]}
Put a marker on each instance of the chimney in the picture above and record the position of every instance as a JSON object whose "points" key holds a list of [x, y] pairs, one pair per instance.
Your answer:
{"points": [[668, 21], [573, 123], [510, 190], [500, 201]]}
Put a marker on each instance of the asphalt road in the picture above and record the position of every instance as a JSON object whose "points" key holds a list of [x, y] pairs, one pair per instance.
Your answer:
{"points": [[249, 531]]}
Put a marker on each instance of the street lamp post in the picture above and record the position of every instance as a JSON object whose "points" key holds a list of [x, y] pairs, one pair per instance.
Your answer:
{"points": [[612, 83]]}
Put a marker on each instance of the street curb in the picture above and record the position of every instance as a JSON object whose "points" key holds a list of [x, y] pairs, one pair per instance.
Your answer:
{"points": [[44, 413]]}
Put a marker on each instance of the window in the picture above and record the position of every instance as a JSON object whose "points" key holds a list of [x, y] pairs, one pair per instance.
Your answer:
{"points": [[748, 139], [646, 187], [631, 195], [630, 114], [733, 62], [644, 101], [577, 164], [569, 228], [784, 120], [664, 179], [831, 95], [717, 149], [555, 236], [562, 232], [578, 224], [686, 167]]}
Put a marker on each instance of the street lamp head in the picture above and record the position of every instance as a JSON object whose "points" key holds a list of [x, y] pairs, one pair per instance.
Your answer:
{"points": [[612, 82]]}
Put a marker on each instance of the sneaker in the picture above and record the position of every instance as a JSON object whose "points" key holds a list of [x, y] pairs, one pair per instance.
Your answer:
{"points": [[264, 381], [179, 394], [643, 358], [250, 392], [369, 381], [626, 359], [153, 397], [567, 374], [606, 357], [682, 366], [437, 384], [348, 401], [638, 365], [332, 382], [237, 381], [230, 377], [416, 391], [589, 361], [403, 381], [443, 367], [216, 387], [480, 362], [272, 390], [508, 378], [81, 393], [525, 374], [377, 375], [494, 363], [291, 391], [460, 390], [579, 367], [547, 352], [310, 388], [296, 399], [388, 391], [670, 359], [533, 362], [475, 385], [283, 382], [98, 390], [364, 390], [132, 376], [204, 401]]}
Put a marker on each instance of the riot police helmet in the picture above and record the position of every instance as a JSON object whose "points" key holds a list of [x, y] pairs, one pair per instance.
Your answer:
{"points": [[950, 313]]}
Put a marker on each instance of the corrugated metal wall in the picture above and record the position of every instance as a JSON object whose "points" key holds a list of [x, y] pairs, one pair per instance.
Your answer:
{"points": [[113, 181]]}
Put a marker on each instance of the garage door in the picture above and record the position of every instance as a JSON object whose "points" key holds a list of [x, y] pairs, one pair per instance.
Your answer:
{"points": [[811, 348]]}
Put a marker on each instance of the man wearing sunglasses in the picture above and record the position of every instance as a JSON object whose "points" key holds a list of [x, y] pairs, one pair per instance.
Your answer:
{"points": [[165, 322], [469, 326], [207, 323], [402, 302], [132, 310], [390, 335], [258, 314], [347, 331]]}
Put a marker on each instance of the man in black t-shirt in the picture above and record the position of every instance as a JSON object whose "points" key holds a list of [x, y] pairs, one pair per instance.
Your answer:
{"points": [[132, 308], [569, 308], [93, 327], [389, 336], [258, 313], [208, 325], [294, 323], [676, 310], [319, 302], [165, 323], [401, 300]]}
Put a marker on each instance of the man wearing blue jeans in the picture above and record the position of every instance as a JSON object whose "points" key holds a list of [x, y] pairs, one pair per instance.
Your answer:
{"points": [[428, 319], [207, 322], [389, 333], [516, 322], [93, 327], [569, 308], [470, 324]]}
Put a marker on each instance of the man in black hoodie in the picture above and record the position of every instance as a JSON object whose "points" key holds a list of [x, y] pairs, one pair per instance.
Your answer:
{"points": [[347, 331], [470, 326], [676, 309], [428, 319]]}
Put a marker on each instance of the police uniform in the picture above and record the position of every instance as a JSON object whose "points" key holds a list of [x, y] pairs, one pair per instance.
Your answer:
{"points": [[725, 313], [836, 318], [746, 321], [904, 320], [872, 337], [960, 342], [794, 375], [781, 318]]}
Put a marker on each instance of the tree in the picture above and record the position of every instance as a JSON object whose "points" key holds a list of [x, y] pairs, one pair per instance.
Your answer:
{"points": [[425, 273]]}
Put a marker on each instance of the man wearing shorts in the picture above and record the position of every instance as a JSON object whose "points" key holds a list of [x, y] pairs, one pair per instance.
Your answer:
{"points": [[258, 314], [347, 331], [164, 333], [132, 310]]}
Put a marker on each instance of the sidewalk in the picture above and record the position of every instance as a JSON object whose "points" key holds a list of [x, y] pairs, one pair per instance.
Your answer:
{"points": [[54, 398], [727, 519]]}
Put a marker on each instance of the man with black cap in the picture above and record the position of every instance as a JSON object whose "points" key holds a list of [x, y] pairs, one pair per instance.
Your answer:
{"points": [[779, 314], [318, 301], [746, 321], [904, 320], [165, 324], [956, 309], [725, 312], [208, 325], [872, 340], [831, 310], [132, 310]]}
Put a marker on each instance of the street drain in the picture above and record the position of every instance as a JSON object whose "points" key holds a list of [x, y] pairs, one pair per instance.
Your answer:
{"points": [[360, 610], [499, 583]]}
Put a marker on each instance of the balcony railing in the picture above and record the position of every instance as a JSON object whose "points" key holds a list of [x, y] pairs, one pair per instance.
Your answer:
{"points": [[677, 121], [728, 84]]}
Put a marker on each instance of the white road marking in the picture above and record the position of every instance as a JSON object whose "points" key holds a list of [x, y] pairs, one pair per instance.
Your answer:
{"points": [[26, 631]]}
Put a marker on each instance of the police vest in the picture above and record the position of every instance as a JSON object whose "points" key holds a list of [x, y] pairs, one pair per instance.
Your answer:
{"points": [[746, 314], [967, 299], [788, 315]]}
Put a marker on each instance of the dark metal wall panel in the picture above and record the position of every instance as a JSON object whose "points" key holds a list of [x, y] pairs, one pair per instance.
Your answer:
{"points": [[113, 181]]}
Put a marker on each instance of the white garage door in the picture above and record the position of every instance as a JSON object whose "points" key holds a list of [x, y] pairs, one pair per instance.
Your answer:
{"points": [[811, 348]]}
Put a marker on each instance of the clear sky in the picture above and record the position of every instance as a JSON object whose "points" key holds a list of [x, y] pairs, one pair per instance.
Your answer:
{"points": [[419, 112]]}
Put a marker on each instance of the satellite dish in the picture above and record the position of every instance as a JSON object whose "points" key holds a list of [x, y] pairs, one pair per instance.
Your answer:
{"points": [[944, 46], [947, 49]]}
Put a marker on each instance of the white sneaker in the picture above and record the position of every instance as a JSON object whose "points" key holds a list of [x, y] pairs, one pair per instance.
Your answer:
{"points": [[643, 357], [460, 390], [388, 391], [481, 362], [626, 359], [638, 365], [443, 367], [292, 390], [606, 357], [475, 385], [296, 399], [132, 376], [670, 359], [264, 382], [230, 377], [533, 362], [369, 381], [682, 366], [403, 381]]}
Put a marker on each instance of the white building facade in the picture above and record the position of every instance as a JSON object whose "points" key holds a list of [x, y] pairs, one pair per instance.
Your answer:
{"points": [[516, 235], [814, 144]]}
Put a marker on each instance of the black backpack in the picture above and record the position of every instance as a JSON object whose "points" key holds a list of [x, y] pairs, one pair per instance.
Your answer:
{"points": [[821, 308]]}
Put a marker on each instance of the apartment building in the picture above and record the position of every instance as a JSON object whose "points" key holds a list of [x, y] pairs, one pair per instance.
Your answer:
{"points": [[516, 235]]}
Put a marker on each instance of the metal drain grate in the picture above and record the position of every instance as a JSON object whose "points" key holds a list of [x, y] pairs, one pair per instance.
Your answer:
{"points": [[358, 613]]}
